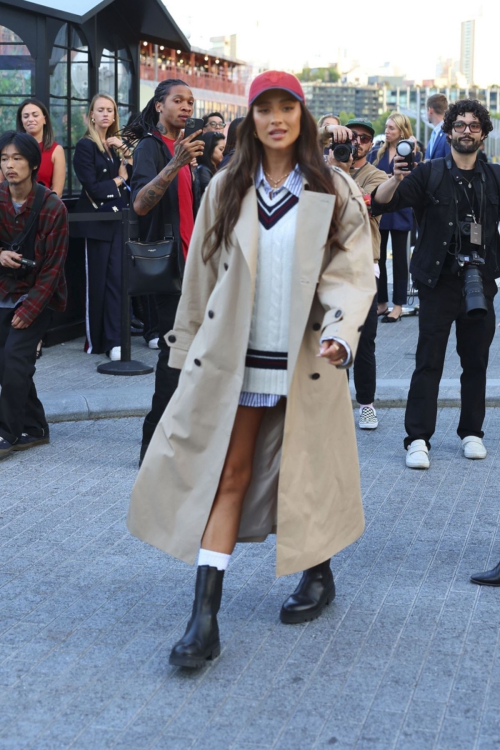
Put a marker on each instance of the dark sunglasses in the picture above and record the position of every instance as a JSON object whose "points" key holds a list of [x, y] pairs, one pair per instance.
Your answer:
{"points": [[461, 127], [361, 137]]}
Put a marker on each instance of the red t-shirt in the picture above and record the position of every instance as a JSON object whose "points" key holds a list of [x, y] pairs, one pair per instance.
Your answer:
{"points": [[185, 193], [46, 169]]}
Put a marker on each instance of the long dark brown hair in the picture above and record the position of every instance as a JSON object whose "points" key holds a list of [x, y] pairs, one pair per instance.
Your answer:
{"points": [[240, 173], [48, 133]]}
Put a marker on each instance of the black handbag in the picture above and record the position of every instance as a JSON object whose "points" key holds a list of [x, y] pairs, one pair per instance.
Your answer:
{"points": [[153, 268]]}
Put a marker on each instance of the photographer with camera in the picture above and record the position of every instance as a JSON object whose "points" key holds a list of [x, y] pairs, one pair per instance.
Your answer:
{"points": [[350, 146], [454, 264], [33, 248]]}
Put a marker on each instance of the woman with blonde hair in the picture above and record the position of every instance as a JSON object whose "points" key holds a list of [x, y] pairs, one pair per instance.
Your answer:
{"points": [[398, 224], [100, 165]]}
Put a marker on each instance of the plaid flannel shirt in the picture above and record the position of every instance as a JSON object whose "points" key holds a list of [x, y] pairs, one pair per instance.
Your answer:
{"points": [[48, 289]]}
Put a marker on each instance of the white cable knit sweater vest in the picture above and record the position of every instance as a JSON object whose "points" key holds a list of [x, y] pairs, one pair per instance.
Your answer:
{"points": [[265, 370]]}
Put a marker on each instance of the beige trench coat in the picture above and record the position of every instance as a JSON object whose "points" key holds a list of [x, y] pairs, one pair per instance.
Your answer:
{"points": [[305, 484]]}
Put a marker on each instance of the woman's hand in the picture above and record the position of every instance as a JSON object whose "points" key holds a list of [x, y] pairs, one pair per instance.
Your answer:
{"points": [[10, 259], [122, 172], [114, 141], [334, 352]]}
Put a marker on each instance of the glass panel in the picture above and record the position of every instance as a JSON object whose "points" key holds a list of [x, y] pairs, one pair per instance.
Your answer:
{"points": [[62, 36], [124, 114], [59, 78], [8, 116], [124, 81], [107, 76], [79, 120], [123, 54], [79, 75], [107, 53], [75, 184], [15, 83], [59, 120], [8, 36]]}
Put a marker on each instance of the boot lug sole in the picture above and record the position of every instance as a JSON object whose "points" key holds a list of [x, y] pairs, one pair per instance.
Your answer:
{"points": [[194, 662], [295, 618]]}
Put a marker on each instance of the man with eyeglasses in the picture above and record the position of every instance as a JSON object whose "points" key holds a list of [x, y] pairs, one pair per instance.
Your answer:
{"points": [[456, 200], [367, 177], [213, 123]]}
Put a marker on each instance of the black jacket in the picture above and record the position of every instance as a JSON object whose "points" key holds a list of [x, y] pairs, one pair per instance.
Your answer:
{"points": [[436, 213], [204, 175], [150, 157], [96, 172]]}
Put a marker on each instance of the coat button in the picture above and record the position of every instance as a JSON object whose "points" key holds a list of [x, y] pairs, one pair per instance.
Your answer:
{"points": [[437, 263], [338, 313], [225, 266], [197, 362], [316, 327], [450, 223], [172, 339], [211, 313], [429, 281], [315, 376], [445, 243]]}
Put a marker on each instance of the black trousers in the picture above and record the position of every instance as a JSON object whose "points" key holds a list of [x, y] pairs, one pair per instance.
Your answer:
{"points": [[166, 378], [104, 264], [365, 367], [439, 308], [20, 408], [399, 266]]}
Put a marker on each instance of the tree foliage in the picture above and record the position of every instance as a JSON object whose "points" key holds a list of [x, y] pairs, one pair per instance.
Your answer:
{"points": [[327, 75]]}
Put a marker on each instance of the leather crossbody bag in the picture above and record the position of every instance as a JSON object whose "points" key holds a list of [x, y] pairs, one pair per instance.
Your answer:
{"points": [[153, 267]]}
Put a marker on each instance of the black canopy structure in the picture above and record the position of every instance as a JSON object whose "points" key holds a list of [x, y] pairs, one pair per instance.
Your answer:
{"points": [[65, 51]]}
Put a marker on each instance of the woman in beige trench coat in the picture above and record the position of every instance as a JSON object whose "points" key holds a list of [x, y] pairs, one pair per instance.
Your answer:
{"points": [[259, 436]]}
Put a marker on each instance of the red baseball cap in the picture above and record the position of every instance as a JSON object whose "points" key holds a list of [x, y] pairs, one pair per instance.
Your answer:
{"points": [[275, 79]]}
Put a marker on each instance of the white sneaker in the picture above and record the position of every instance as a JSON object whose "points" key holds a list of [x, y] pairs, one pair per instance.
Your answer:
{"points": [[417, 455], [473, 447], [115, 353], [368, 418], [153, 344]]}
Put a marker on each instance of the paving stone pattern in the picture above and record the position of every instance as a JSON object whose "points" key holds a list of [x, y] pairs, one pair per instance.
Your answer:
{"points": [[406, 657]]}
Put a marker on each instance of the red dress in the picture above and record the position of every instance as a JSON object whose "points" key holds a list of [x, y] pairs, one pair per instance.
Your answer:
{"points": [[46, 169]]}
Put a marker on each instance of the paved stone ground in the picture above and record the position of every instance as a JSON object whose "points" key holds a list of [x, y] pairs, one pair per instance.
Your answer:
{"points": [[407, 656]]}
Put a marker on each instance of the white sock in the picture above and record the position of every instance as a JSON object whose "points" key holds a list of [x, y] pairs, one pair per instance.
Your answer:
{"points": [[215, 559]]}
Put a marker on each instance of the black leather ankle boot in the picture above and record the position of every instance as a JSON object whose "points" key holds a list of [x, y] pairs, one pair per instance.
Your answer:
{"points": [[489, 578], [316, 589], [200, 642]]}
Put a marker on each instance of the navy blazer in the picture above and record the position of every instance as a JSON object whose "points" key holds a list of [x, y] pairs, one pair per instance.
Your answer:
{"points": [[95, 171], [441, 147]]}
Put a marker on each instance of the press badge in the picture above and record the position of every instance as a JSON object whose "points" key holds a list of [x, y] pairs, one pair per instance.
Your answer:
{"points": [[475, 234]]}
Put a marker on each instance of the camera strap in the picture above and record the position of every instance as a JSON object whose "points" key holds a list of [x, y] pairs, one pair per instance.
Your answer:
{"points": [[17, 245]]}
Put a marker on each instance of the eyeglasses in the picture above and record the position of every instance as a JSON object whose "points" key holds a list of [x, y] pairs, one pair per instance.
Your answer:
{"points": [[361, 137], [461, 127], [216, 125]]}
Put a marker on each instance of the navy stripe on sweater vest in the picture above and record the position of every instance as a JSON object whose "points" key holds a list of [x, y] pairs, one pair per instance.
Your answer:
{"points": [[270, 214]]}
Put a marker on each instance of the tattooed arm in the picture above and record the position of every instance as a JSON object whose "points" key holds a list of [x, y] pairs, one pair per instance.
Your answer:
{"points": [[151, 194]]}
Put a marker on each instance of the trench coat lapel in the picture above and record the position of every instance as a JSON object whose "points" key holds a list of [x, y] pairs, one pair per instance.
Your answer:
{"points": [[313, 221], [247, 229]]}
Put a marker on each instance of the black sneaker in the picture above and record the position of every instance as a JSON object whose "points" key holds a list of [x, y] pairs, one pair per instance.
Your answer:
{"points": [[5, 448], [30, 441]]}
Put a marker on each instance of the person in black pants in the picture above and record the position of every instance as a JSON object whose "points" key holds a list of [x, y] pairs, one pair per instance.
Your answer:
{"points": [[32, 284], [100, 165], [163, 193], [457, 201]]}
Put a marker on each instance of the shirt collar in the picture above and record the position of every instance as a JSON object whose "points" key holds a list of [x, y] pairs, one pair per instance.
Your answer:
{"points": [[293, 182], [438, 127]]}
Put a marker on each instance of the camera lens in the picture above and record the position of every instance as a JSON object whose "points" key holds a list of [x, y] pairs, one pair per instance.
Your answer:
{"points": [[342, 152]]}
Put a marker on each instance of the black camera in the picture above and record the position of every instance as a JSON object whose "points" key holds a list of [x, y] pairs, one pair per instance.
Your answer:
{"points": [[406, 148], [475, 301], [466, 226], [342, 151], [27, 264]]}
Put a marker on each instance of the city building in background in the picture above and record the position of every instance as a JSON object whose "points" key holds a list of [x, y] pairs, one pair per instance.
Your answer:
{"points": [[218, 82], [478, 61], [364, 101]]}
